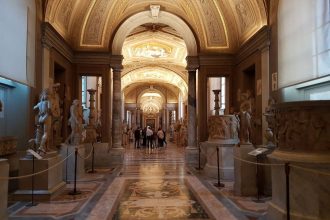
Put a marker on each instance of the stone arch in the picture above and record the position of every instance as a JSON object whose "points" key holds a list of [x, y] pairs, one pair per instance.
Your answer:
{"points": [[165, 18]]}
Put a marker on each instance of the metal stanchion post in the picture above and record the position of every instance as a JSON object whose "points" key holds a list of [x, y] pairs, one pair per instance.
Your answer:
{"points": [[199, 157], [218, 184], [257, 181], [66, 164], [32, 185], [287, 184], [75, 192], [92, 171]]}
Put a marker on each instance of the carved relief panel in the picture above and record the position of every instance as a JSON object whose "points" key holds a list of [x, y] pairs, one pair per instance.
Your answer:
{"points": [[302, 126]]}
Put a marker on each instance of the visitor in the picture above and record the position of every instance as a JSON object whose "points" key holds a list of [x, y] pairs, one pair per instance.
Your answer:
{"points": [[149, 134], [137, 138], [161, 136]]}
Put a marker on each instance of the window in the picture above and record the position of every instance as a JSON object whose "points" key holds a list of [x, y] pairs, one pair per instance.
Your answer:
{"points": [[84, 91]]}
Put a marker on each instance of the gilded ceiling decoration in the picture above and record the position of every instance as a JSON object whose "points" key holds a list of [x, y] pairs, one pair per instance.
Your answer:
{"points": [[155, 75], [154, 46], [151, 101], [219, 25]]}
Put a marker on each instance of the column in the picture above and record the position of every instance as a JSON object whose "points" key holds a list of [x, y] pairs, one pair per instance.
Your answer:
{"points": [[192, 109], [91, 128], [164, 119], [264, 86], [45, 65], [133, 119], [116, 64], [138, 117], [191, 150], [117, 107]]}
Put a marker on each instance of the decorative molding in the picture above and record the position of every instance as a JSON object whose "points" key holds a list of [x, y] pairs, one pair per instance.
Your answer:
{"points": [[259, 41], [52, 39], [116, 62], [92, 58], [192, 63], [216, 60]]}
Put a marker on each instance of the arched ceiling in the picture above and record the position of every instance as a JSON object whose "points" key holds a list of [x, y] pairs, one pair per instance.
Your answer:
{"points": [[133, 90], [219, 25], [155, 75], [150, 43]]}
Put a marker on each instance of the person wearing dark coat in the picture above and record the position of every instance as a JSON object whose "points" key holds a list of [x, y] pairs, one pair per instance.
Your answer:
{"points": [[137, 138]]}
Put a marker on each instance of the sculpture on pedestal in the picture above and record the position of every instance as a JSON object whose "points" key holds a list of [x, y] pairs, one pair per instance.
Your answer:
{"points": [[75, 121], [223, 127], [245, 117], [56, 115], [44, 121], [270, 118]]}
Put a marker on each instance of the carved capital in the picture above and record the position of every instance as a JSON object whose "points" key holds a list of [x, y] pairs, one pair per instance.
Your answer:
{"points": [[116, 63], [192, 63]]}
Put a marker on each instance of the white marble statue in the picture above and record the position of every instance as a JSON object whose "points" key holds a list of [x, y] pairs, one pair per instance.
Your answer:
{"points": [[44, 120], [75, 121], [245, 117], [56, 115]]}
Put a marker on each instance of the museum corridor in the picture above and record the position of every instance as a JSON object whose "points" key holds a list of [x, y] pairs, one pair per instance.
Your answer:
{"points": [[151, 184], [240, 90]]}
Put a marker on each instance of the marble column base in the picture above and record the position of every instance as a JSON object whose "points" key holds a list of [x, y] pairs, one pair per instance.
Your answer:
{"points": [[4, 172], [68, 165], [226, 162], [245, 174], [46, 185], [101, 155], [309, 191], [191, 156], [116, 156]]}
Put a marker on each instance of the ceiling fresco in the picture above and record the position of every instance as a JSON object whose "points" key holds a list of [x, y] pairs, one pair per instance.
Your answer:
{"points": [[219, 25]]}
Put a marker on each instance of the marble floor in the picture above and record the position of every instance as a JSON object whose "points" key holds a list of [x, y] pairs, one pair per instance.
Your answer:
{"points": [[151, 184]]}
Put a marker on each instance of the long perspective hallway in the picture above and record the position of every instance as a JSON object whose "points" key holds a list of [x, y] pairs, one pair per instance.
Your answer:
{"points": [[151, 184]]}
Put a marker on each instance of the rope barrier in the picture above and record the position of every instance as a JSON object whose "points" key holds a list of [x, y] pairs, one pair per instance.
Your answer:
{"points": [[37, 173], [282, 164], [310, 170], [88, 156], [261, 164]]}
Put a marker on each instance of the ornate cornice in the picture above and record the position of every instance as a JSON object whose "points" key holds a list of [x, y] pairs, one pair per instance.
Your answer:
{"points": [[216, 60], [192, 63], [116, 62], [258, 42], [92, 58], [52, 39]]}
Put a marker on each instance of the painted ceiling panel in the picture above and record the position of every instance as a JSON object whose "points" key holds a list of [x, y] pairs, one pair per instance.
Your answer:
{"points": [[219, 25]]}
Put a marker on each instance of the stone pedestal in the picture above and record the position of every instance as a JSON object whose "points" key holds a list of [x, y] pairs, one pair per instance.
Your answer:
{"points": [[68, 165], [309, 191], [4, 172], [117, 156], [226, 162], [47, 184], [101, 156], [191, 156], [302, 131], [245, 174]]}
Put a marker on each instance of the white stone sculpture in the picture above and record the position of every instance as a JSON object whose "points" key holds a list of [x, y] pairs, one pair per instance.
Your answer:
{"points": [[56, 115], [44, 120], [75, 121], [245, 117]]}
